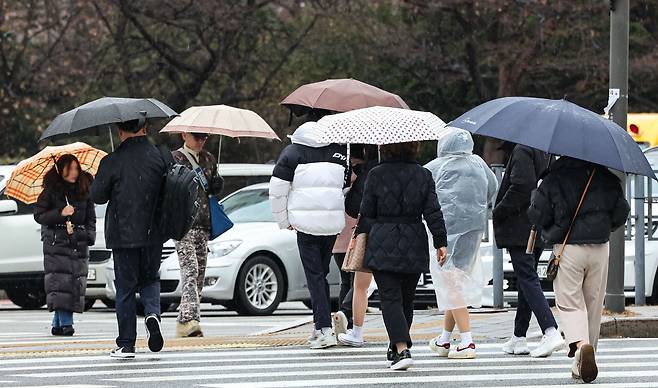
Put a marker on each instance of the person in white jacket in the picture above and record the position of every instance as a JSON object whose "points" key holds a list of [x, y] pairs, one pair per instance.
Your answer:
{"points": [[306, 195], [465, 186]]}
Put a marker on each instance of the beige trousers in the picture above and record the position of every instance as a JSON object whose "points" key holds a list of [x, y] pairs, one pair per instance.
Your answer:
{"points": [[580, 290]]}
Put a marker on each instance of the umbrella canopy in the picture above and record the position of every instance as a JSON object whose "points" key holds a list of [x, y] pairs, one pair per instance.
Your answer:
{"points": [[98, 114], [221, 120], [26, 181], [340, 95], [558, 127], [380, 125]]}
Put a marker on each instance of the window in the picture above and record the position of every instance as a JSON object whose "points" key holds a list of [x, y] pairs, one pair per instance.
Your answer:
{"points": [[23, 208], [249, 206]]}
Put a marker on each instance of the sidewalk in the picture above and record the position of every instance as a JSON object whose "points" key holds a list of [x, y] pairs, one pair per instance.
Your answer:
{"points": [[487, 326]]}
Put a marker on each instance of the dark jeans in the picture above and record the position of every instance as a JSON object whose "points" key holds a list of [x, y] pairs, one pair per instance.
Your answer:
{"points": [[315, 252], [136, 270], [396, 293], [346, 289], [531, 298]]}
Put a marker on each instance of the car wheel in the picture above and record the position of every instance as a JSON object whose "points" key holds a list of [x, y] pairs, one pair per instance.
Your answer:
{"points": [[30, 297], [259, 287], [109, 303], [89, 303]]}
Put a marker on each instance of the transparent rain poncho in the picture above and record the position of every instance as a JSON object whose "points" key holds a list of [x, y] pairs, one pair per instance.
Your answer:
{"points": [[465, 186]]}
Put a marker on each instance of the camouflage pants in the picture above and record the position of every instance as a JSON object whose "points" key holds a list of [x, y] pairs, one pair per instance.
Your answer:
{"points": [[192, 255]]}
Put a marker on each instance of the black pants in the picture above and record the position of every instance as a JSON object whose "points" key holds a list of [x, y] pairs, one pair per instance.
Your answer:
{"points": [[531, 298], [396, 293], [136, 270], [346, 289], [315, 252]]}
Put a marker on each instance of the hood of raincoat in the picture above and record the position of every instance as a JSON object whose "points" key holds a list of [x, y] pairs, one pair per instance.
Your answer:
{"points": [[308, 134], [456, 142]]}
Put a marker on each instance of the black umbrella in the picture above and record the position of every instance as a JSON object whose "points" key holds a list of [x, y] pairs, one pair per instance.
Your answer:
{"points": [[97, 115], [558, 127]]}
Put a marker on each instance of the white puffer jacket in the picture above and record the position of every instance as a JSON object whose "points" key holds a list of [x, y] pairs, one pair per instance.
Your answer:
{"points": [[306, 189]]}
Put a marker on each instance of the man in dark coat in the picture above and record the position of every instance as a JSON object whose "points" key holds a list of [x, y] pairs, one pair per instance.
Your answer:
{"points": [[130, 179], [512, 230], [193, 248]]}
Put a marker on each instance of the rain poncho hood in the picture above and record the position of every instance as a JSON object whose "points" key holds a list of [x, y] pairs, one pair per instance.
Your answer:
{"points": [[465, 186], [308, 134]]}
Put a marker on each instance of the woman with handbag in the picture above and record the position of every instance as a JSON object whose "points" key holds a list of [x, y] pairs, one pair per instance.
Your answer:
{"points": [[465, 186], [578, 205], [66, 213], [193, 248], [399, 193]]}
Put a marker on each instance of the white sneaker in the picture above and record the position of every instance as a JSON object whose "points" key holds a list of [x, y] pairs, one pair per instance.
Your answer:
{"points": [[314, 334], [548, 345], [463, 352], [516, 346], [340, 323], [325, 339], [441, 350], [350, 339]]}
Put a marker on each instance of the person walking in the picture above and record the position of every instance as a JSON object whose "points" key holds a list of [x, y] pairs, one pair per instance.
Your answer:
{"points": [[193, 248], [130, 179], [578, 205], [398, 194], [465, 186], [353, 295], [306, 195], [511, 231], [68, 229]]}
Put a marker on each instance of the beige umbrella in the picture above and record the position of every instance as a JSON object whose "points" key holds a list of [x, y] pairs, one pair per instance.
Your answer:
{"points": [[221, 120]]}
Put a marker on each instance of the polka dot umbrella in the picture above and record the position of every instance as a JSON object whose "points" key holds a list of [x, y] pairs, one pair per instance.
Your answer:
{"points": [[380, 125]]}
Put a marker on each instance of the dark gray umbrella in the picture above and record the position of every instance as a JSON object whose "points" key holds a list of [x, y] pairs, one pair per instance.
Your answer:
{"points": [[97, 115], [558, 127]]}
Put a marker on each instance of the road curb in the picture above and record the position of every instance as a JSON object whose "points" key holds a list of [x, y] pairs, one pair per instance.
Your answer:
{"points": [[630, 328]]}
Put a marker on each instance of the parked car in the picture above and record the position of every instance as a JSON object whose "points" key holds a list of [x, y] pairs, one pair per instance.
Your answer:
{"points": [[253, 267], [21, 254]]}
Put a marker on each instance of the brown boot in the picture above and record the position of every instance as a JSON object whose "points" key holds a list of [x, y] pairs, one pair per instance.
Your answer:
{"points": [[188, 329]]}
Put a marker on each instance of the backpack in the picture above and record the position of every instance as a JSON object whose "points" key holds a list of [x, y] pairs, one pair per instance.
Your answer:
{"points": [[177, 203]]}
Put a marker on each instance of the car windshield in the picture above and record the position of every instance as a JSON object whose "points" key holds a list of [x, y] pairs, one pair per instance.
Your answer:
{"points": [[249, 206]]}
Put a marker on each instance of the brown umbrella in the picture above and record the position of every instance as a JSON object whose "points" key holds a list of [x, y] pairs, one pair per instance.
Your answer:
{"points": [[340, 95]]}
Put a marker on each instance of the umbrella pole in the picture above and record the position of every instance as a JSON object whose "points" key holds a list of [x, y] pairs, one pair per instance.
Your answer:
{"points": [[219, 150], [109, 129]]}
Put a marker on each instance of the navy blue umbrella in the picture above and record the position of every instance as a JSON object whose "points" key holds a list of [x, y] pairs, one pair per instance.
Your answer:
{"points": [[558, 127]]}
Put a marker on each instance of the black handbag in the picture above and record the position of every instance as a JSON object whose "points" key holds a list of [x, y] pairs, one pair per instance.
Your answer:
{"points": [[554, 261]]}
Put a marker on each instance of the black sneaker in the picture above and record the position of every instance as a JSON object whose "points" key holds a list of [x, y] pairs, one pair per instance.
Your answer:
{"points": [[57, 331], [68, 331], [402, 360], [124, 353], [153, 333], [390, 357]]}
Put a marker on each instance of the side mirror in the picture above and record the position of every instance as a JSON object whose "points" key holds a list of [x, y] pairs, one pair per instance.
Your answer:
{"points": [[8, 207]]}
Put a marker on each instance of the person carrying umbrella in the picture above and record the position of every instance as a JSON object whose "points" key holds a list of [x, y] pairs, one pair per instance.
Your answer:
{"points": [[577, 206], [68, 221], [193, 248], [306, 195], [130, 179]]}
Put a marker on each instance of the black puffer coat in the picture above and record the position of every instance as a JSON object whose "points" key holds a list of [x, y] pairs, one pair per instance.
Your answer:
{"points": [[65, 259], [130, 178], [396, 196], [554, 203], [510, 219]]}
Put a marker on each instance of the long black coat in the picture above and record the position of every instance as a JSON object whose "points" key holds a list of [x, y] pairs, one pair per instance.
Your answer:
{"points": [[130, 178], [396, 196], [65, 259], [510, 219], [554, 203]]}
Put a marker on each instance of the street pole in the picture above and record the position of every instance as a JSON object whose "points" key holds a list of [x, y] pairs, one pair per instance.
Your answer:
{"points": [[497, 269], [619, 15]]}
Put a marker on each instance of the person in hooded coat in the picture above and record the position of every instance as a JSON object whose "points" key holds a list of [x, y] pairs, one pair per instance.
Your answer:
{"points": [[68, 228], [465, 186], [306, 195]]}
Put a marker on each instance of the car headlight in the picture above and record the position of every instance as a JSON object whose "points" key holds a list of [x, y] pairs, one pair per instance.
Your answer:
{"points": [[223, 248]]}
